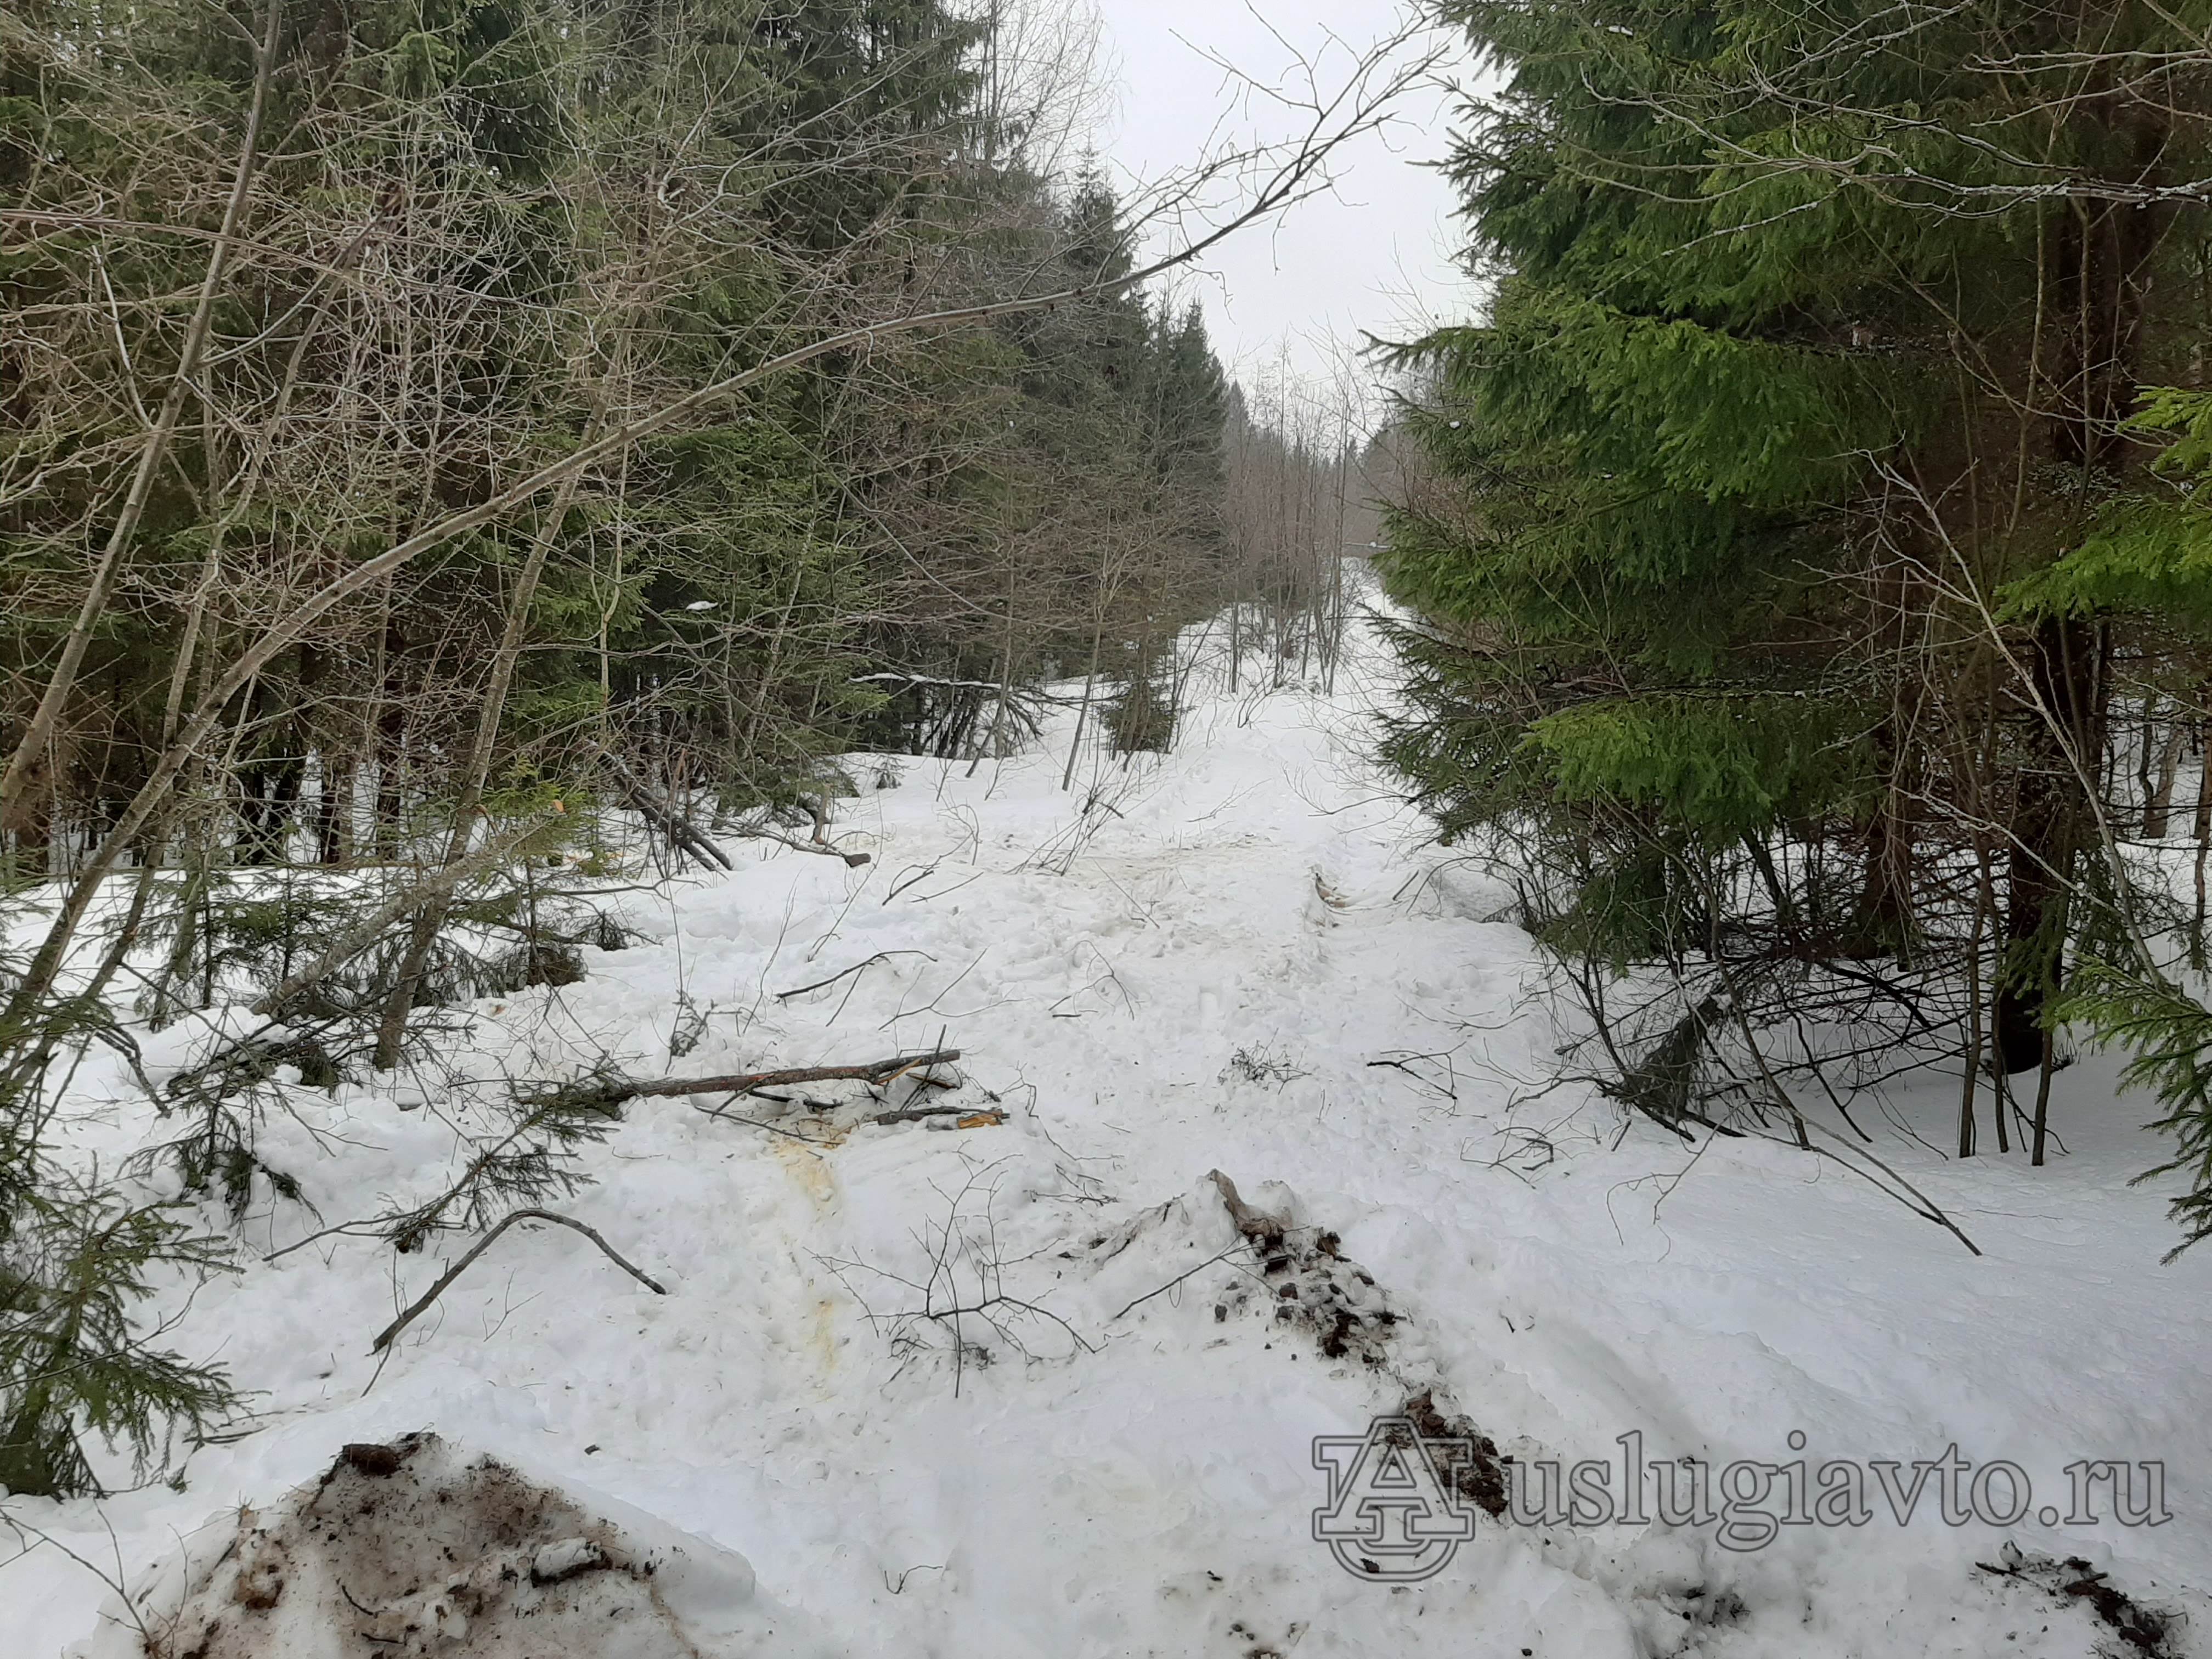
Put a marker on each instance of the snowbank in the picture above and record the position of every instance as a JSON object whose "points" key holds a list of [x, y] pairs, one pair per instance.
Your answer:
{"points": [[1024, 1387], [417, 1547]]}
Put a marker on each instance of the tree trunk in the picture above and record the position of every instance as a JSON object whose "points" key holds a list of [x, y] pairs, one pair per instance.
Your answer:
{"points": [[2046, 836], [2158, 815]]}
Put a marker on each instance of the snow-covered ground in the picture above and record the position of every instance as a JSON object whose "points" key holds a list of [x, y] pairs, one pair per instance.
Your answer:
{"points": [[1199, 972]]}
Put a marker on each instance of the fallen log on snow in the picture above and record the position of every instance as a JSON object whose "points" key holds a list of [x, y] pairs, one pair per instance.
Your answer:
{"points": [[877, 1072], [665, 816]]}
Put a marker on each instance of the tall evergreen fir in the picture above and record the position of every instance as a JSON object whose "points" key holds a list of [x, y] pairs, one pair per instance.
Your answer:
{"points": [[1807, 377]]}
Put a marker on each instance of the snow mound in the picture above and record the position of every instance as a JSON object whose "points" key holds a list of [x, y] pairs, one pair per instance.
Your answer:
{"points": [[417, 1547]]}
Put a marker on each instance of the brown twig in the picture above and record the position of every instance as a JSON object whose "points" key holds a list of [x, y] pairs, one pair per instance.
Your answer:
{"points": [[1179, 1279], [823, 984], [390, 1333]]}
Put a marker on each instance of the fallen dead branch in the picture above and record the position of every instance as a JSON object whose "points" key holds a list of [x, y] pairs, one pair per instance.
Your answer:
{"points": [[816, 807], [663, 816], [971, 1117], [385, 1337], [880, 1072], [1405, 1063], [761, 832], [964, 1281], [807, 1103], [857, 967], [1181, 1277]]}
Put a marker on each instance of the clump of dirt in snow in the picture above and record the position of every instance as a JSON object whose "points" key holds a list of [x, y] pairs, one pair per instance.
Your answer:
{"points": [[2139, 1630], [1313, 1288], [1321, 1290], [1481, 1478], [414, 1548], [1337, 1301]]}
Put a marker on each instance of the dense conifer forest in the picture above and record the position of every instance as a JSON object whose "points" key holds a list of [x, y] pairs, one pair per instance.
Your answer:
{"points": [[756, 890], [1808, 576]]}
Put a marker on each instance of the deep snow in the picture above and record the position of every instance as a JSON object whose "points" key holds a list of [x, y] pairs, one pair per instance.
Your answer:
{"points": [[1197, 971]]}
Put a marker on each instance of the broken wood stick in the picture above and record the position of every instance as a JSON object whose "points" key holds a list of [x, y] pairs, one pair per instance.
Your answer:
{"points": [[761, 832], [385, 1337], [877, 1071], [917, 1114], [807, 1101], [817, 808], [668, 817]]}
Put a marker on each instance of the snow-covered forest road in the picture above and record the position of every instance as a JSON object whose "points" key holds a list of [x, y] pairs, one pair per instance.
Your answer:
{"points": [[1241, 957]]}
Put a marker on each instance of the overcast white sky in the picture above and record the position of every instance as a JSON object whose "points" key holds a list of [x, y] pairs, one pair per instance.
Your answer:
{"points": [[1377, 255]]}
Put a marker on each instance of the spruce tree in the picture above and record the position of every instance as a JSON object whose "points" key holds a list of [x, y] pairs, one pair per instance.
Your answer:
{"points": [[1810, 355]]}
